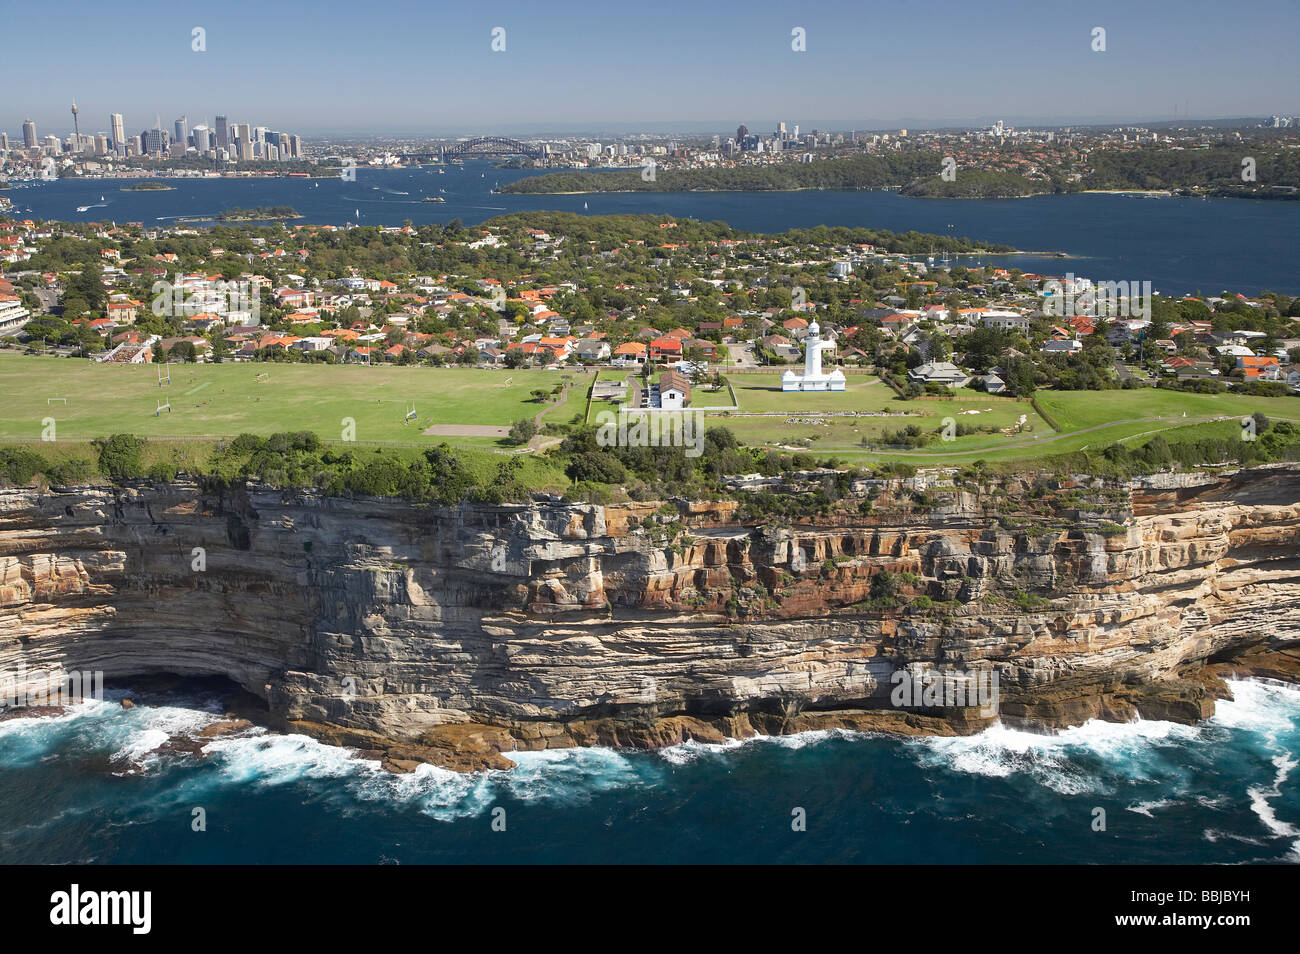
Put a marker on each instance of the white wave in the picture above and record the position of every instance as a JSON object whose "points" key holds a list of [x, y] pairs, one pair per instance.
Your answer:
{"points": [[1001, 751], [1261, 803], [1212, 835], [1270, 710], [1259, 705], [259, 757], [568, 775], [1145, 808], [692, 750]]}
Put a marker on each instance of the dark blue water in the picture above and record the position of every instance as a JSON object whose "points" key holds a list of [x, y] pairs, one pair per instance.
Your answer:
{"points": [[1179, 245], [84, 787]]}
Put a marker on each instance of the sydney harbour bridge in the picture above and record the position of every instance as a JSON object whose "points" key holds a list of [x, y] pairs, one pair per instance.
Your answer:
{"points": [[482, 146]]}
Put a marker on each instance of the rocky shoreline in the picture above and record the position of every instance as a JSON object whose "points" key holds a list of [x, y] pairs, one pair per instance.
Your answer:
{"points": [[457, 636]]}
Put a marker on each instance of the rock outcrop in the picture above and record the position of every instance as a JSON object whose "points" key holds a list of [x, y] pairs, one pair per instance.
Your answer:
{"points": [[458, 635]]}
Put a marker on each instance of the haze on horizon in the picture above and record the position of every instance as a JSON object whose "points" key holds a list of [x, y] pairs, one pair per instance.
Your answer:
{"points": [[419, 68]]}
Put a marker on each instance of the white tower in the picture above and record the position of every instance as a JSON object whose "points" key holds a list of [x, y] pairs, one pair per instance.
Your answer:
{"points": [[812, 359]]}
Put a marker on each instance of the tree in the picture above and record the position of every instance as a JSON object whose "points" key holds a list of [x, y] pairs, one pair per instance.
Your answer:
{"points": [[884, 586], [522, 431], [120, 455]]}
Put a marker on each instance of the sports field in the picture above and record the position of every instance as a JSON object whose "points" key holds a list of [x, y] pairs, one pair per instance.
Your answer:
{"points": [[767, 415], [1085, 418], [221, 400]]}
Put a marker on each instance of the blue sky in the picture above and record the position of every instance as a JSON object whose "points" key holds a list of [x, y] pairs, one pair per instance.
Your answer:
{"points": [[341, 66]]}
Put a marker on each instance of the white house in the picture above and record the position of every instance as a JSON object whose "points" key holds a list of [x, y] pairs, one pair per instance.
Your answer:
{"points": [[1062, 346], [939, 372], [674, 391], [1005, 320], [12, 314]]}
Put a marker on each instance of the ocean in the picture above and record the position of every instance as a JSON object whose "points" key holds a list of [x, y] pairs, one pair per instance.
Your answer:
{"points": [[88, 787], [1179, 245]]}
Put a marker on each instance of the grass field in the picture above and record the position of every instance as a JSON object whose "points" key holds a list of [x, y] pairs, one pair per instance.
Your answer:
{"points": [[788, 419], [1086, 419], [221, 400], [214, 401]]}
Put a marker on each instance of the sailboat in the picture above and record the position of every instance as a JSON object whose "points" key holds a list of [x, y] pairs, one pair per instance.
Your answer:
{"points": [[584, 205], [357, 213]]}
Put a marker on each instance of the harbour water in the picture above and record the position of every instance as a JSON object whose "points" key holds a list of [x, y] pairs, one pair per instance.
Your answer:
{"points": [[1180, 245]]}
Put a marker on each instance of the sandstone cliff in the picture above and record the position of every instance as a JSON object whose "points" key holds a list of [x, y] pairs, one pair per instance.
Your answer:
{"points": [[453, 635]]}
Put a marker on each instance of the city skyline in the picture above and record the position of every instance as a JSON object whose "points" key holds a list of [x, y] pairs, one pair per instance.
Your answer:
{"points": [[676, 67]]}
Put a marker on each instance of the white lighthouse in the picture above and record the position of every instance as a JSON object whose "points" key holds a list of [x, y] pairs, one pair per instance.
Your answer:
{"points": [[812, 378]]}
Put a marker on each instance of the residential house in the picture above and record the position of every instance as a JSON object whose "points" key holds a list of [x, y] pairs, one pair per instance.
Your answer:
{"points": [[674, 391]]}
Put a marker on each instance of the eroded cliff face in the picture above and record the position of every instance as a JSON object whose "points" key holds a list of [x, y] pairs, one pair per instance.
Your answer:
{"points": [[456, 635]]}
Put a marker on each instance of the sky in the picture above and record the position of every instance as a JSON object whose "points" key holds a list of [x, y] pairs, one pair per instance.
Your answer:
{"points": [[342, 67]]}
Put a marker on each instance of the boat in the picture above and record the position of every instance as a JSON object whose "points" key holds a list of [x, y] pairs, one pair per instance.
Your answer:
{"points": [[357, 213], [584, 205], [101, 198], [434, 198]]}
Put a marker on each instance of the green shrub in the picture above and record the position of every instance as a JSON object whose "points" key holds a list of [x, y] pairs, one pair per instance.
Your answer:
{"points": [[119, 456], [19, 465]]}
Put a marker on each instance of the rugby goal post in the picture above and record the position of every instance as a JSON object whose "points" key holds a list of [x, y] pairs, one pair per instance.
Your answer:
{"points": [[49, 401]]}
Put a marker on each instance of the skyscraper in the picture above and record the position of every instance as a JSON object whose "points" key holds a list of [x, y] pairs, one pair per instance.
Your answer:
{"points": [[155, 141], [29, 134], [223, 134], [117, 132], [182, 130], [245, 141], [741, 132]]}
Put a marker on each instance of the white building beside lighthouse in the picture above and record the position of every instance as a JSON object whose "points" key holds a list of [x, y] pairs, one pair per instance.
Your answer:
{"points": [[812, 378]]}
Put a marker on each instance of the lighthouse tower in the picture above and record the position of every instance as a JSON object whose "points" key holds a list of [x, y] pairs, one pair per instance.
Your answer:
{"points": [[813, 379], [812, 359]]}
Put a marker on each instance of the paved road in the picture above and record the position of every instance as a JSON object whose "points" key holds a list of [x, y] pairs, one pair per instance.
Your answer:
{"points": [[742, 357]]}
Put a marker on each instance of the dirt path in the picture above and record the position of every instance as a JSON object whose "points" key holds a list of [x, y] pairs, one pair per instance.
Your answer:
{"points": [[466, 430]]}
